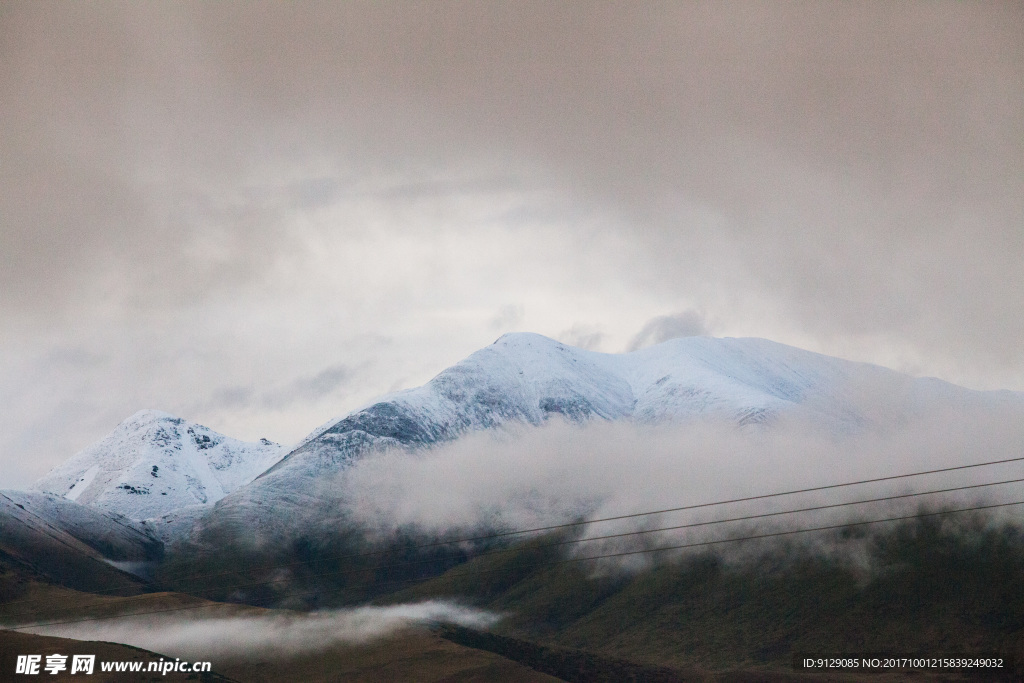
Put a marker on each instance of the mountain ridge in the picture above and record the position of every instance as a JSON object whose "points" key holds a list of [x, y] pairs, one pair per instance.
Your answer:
{"points": [[527, 379], [752, 381], [521, 378], [153, 463]]}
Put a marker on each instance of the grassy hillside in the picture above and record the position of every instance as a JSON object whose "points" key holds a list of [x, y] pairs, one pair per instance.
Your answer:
{"points": [[304, 572], [412, 654], [60, 558], [930, 585], [934, 584]]}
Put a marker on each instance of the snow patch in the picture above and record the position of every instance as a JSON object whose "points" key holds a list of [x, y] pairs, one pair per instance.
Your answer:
{"points": [[82, 483]]}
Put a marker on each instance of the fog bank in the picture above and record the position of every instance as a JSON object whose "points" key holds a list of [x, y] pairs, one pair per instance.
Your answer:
{"points": [[190, 635], [530, 477]]}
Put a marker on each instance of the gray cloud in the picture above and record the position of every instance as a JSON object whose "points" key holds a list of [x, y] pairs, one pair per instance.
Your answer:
{"points": [[665, 327], [216, 181], [233, 397], [302, 391], [312, 388], [507, 319], [850, 151], [583, 336]]}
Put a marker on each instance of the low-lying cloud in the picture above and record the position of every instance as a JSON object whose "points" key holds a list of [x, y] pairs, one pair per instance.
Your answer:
{"points": [[535, 477], [189, 636]]}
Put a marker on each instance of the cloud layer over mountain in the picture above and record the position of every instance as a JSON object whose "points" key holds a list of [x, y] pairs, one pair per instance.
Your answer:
{"points": [[528, 478], [201, 203]]}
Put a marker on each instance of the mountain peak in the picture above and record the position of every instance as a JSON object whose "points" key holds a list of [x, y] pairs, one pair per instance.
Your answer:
{"points": [[148, 416], [529, 378], [154, 462], [525, 338]]}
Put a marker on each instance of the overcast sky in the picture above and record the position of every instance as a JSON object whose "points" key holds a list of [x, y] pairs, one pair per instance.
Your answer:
{"points": [[260, 215]]}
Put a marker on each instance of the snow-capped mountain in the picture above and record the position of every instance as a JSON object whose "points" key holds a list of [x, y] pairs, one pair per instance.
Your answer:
{"points": [[160, 468], [154, 463], [528, 379]]}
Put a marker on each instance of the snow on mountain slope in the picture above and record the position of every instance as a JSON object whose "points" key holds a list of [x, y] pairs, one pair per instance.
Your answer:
{"points": [[154, 463], [528, 379], [115, 537], [73, 545]]}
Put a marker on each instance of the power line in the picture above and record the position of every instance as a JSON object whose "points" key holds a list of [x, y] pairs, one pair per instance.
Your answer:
{"points": [[583, 540], [552, 527], [765, 514], [743, 500], [570, 560], [360, 570]]}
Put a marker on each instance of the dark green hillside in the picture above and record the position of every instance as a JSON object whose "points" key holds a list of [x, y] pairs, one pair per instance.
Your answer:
{"points": [[51, 555], [930, 585], [304, 572]]}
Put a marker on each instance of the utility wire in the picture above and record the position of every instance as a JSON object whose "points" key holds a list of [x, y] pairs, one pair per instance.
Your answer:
{"points": [[559, 543], [734, 500], [567, 560], [400, 565], [760, 516], [567, 525]]}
